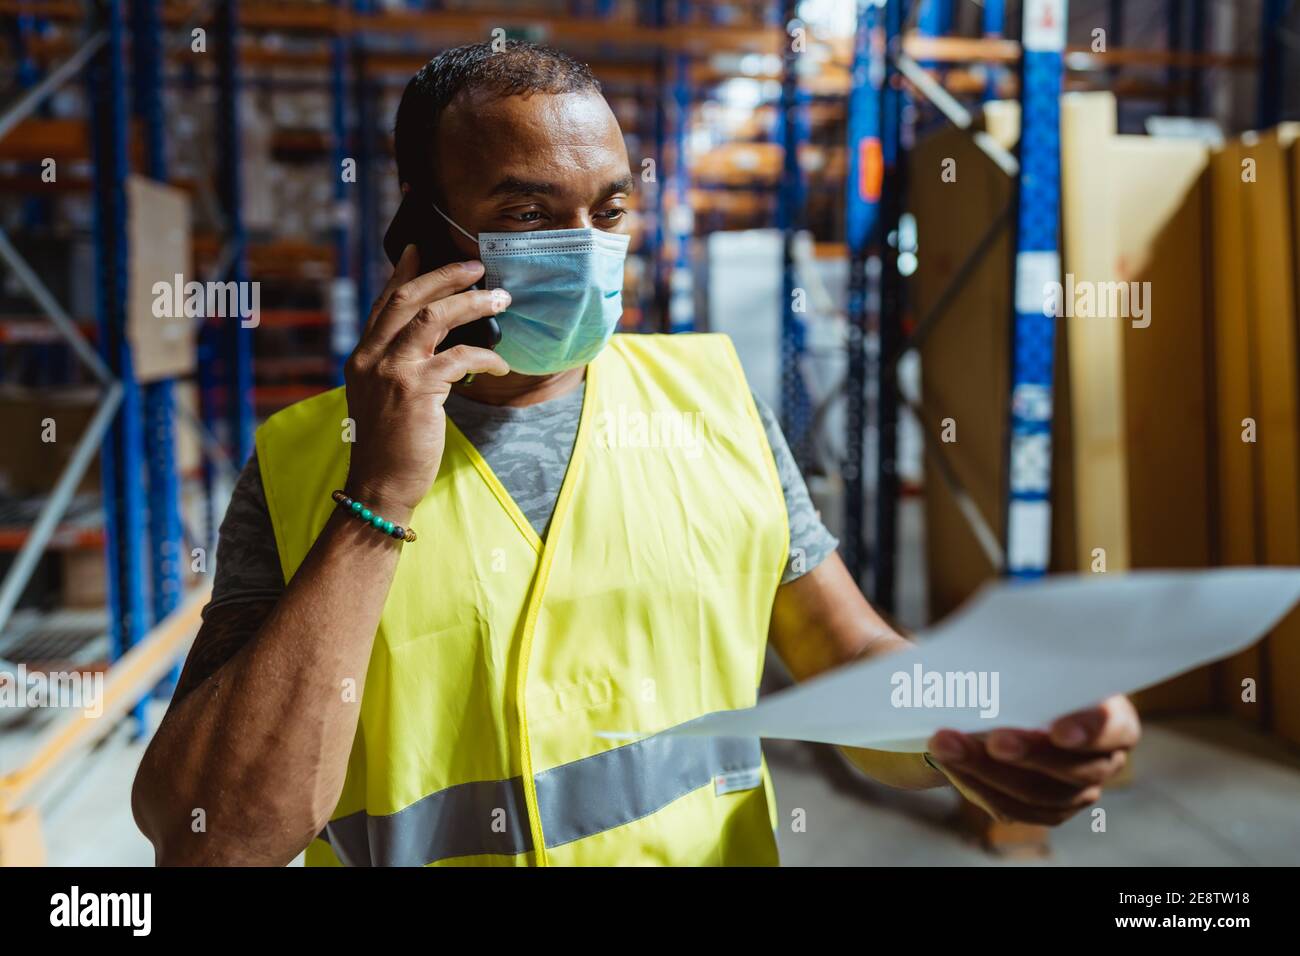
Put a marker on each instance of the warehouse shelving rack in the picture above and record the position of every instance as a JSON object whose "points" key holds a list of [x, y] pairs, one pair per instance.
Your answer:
{"points": [[133, 428], [897, 55], [97, 53]]}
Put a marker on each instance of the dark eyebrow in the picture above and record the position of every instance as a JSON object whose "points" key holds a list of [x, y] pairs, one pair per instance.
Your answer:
{"points": [[510, 186]]}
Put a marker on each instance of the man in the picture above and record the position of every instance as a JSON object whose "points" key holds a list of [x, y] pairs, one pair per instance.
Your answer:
{"points": [[439, 682]]}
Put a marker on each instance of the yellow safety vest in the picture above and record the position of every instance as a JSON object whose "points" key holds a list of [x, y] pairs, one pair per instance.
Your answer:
{"points": [[503, 662]]}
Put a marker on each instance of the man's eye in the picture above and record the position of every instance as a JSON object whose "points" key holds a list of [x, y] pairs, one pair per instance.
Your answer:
{"points": [[532, 215], [612, 215]]}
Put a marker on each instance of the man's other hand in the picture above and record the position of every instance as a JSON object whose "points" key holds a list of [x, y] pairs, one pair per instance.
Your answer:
{"points": [[1035, 776]]}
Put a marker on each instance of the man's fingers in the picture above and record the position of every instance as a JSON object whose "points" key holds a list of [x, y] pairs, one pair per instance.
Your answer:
{"points": [[1024, 785], [1004, 807], [406, 269], [430, 325], [455, 363], [407, 297], [1035, 751], [1111, 725]]}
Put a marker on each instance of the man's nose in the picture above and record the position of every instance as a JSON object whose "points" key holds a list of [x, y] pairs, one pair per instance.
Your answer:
{"points": [[573, 219]]}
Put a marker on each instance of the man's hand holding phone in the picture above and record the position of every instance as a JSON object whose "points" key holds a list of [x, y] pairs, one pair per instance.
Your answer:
{"points": [[397, 385]]}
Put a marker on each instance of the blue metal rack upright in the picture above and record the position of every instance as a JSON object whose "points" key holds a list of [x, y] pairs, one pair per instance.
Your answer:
{"points": [[672, 281], [342, 292], [236, 340], [885, 537], [223, 403], [165, 534], [122, 454], [651, 13], [681, 283], [1196, 106], [1272, 45], [367, 178], [1038, 262], [862, 195], [995, 18], [796, 405]]}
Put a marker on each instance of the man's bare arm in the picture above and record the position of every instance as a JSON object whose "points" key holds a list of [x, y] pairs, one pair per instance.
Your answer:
{"points": [[821, 621], [225, 632], [260, 730], [260, 742]]}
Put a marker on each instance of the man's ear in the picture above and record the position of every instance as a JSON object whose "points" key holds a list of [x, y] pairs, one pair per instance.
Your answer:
{"points": [[406, 189]]}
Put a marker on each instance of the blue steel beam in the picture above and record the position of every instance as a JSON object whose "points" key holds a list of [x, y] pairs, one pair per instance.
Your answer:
{"points": [[862, 219], [165, 533], [1270, 62], [933, 19], [1197, 105], [1175, 73], [656, 318], [796, 406], [367, 198], [681, 283], [122, 456], [235, 337], [1038, 262], [995, 25], [885, 552], [343, 300]]}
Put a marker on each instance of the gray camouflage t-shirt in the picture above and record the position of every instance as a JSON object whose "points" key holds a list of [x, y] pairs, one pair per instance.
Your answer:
{"points": [[528, 450]]}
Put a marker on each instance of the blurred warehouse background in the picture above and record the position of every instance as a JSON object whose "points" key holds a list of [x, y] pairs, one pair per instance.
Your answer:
{"points": [[849, 188]]}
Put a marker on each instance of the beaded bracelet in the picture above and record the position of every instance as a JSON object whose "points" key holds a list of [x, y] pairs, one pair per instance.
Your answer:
{"points": [[359, 510]]}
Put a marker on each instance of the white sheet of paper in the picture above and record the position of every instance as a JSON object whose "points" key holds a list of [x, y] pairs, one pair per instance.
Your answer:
{"points": [[1053, 647]]}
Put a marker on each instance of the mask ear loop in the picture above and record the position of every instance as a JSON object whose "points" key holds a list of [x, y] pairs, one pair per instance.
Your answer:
{"points": [[473, 239], [468, 379]]}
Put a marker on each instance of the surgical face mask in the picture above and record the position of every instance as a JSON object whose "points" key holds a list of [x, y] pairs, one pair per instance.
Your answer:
{"points": [[566, 293]]}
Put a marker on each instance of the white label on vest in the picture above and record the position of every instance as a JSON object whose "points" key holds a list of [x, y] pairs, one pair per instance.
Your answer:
{"points": [[737, 780]]}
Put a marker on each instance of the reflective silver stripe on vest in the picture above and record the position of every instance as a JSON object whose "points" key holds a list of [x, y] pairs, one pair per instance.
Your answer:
{"points": [[457, 821], [609, 789], [576, 800]]}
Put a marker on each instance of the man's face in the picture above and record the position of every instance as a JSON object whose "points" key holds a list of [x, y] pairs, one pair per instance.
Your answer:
{"points": [[537, 162]]}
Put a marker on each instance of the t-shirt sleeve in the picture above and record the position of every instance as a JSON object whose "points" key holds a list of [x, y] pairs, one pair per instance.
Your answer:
{"points": [[810, 541], [248, 564]]}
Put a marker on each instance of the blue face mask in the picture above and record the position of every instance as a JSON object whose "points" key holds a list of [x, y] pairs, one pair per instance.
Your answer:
{"points": [[566, 293]]}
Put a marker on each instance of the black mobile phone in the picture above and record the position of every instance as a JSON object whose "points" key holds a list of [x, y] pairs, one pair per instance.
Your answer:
{"points": [[416, 223]]}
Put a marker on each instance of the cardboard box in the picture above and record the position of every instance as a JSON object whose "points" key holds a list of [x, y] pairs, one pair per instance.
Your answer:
{"points": [[1237, 538], [159, 234], [1269, 209], [30, 465], [1131, 465], [965, 372], [85, 578]]}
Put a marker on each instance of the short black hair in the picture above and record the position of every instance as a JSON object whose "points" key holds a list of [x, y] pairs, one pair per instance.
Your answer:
{"points": [[512, 68]]}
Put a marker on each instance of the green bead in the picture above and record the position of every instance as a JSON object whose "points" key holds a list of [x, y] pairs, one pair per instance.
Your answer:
{"points": [[357, 506], [388, 527], [377, 521], [367, 514]]}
